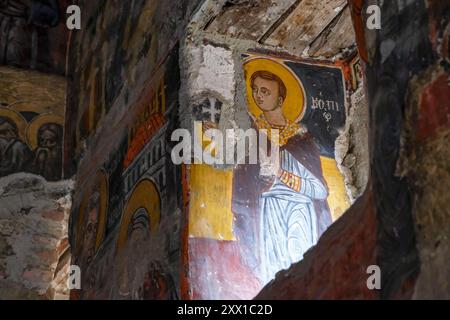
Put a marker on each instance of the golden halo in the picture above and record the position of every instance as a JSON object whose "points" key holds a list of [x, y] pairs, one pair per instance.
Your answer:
{"points": [[37, 123], [36, 107], [294, 105], [146, 196], [101, 183], [20, 122]]}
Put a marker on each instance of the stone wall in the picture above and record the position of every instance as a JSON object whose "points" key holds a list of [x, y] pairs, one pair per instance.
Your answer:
{"points": [[34, 219], [34, 211]]}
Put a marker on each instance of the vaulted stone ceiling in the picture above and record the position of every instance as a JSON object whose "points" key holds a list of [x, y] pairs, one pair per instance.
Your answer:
{"points": [[301, 27]]}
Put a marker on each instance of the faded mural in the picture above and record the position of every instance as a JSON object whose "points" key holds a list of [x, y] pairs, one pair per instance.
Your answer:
{"points": [[292, 193], [38, 152], [129, 216], [32, 104], [31, 123], [33, 43], [264, 217], [291, 199], [145, 228], [123, 41], [34, 35], [92, 219]]}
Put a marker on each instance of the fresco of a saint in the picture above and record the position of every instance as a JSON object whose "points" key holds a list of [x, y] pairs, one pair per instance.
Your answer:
{"points": [[280, 206], [91, 219], [19, 20], [47, 157], [14, 153]]}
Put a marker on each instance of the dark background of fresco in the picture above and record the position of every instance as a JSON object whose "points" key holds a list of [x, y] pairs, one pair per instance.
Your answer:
{"points": [[327, 84], [58, 38], [104, 42], [52, 44]]}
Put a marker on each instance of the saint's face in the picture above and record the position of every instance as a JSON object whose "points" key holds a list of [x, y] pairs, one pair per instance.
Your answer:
{"points": [[266, 94], [48, 139], [7, 132], [90, 232]]}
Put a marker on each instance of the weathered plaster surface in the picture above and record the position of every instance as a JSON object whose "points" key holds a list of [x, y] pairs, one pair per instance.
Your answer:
{"points": [[33, 236], [432, 215], [352, 153]]}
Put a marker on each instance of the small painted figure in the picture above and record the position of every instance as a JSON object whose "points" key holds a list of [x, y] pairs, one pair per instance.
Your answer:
{"points": [[47, 157], [14, 154], [20, 23], [287, 199]]}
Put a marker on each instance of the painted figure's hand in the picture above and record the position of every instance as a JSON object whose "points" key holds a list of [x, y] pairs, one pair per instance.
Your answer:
{"points": [[280, 173], [208, 125], [270, 170], [270, 166], [267, 182]]}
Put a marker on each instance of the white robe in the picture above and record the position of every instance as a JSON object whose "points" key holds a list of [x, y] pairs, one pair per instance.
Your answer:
{"points": [[289, 219]]}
